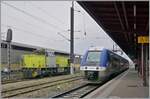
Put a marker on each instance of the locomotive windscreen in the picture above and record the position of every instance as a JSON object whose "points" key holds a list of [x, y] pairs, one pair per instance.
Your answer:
{"points": [[93, 58]]}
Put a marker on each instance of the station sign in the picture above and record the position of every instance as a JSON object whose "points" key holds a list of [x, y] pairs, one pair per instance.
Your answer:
{"points": [[143, 39]]}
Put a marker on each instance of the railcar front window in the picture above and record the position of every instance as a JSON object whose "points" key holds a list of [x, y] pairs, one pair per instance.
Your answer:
{"points": [[93, 58]]}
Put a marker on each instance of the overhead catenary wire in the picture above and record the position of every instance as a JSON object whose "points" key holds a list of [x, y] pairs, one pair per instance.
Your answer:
{"points": [[28, 23], [63, 36], [17, 19], [34, 17], [83, 20], [35, 34], [37, 18], [38, 27], [43, 11], [103, 38], [84, 24]]}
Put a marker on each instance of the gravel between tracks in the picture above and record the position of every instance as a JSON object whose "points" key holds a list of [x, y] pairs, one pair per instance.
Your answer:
{"points": [[52, 91], [10, 86]]}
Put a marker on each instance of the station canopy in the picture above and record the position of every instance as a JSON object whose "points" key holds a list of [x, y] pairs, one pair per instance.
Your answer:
{"points": [[122, 21]]}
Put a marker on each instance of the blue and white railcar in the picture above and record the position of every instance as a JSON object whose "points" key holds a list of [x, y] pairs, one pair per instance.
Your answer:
{"points": [[99, 63]]}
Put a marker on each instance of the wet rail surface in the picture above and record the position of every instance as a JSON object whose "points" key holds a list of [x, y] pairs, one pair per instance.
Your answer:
{"points": [[29, 89]]}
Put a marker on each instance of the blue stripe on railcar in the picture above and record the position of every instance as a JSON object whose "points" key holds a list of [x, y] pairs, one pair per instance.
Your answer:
{"points": [[104, 58], [83, 61]]}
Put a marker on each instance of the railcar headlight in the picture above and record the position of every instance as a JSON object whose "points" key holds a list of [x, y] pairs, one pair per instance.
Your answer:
{"points": [[97, 68]]}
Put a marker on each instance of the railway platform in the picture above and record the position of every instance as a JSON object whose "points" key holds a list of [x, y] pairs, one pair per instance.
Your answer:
{"points": [[126, 85]]}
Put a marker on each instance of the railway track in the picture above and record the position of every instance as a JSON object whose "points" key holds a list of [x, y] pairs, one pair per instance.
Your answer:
{"points": [[10, 78], [29, 89], [78, 92], [83, 90], [20, 80], [14, 81]]}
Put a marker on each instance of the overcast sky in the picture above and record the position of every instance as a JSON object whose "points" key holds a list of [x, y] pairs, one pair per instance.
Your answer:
{"points": [[39, 23]]}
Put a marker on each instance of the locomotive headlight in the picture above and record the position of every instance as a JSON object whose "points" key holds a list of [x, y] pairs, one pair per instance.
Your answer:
{"points": [[97, 68]]}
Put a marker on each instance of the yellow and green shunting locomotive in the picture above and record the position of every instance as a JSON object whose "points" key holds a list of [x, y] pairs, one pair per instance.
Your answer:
{"points": [[47, 64]]}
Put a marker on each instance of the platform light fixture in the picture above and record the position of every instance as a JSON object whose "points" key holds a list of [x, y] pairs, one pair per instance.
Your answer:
{"points": [[134, 10], [134, 26]]}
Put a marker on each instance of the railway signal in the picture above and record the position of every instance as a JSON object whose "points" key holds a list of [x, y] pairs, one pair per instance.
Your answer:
{"points": [[8, 40]]}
